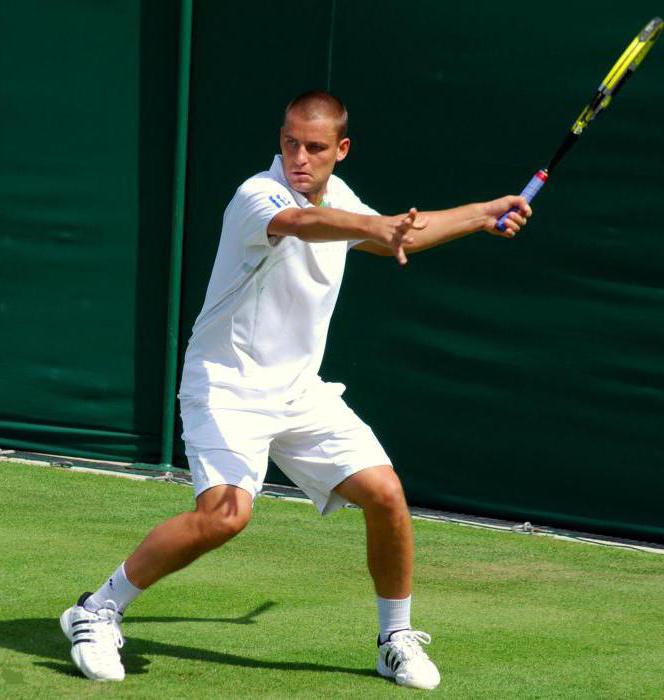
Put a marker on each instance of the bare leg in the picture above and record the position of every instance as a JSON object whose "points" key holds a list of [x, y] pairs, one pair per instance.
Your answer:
{"points": [[221, 513], [378, 492]]}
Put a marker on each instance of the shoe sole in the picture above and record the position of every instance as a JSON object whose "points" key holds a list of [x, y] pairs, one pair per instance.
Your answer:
{"points": [[64, 624], [387, 672]]}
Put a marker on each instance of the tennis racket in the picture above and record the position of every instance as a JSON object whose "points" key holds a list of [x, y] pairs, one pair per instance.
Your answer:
{"points": [[616, 78]]}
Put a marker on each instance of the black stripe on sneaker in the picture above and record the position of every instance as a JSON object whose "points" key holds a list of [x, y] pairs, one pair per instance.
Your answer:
{"points": [[81, 622], [389, 638], [83, 641], [83, 598], [388, 657], [81, 631]]}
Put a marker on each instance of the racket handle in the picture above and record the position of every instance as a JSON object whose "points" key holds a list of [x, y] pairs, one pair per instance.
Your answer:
{"points": [[529, 191]]}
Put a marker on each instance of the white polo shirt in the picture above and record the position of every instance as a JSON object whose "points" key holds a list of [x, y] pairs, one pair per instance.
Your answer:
{"points": [[262, 331]]}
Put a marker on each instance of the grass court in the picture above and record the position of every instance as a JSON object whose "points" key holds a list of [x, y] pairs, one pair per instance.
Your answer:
{"points": [[287, 609]]}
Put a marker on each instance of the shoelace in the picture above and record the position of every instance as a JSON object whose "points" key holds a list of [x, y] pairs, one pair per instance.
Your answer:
{"points": [[408, 644], [109, 624]]}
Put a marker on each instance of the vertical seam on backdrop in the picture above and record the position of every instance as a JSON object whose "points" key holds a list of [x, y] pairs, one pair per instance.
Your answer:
{"points": [[330, 44]]}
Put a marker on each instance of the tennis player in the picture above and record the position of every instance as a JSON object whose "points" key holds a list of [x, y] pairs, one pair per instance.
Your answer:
{"points": [[250, 387]]}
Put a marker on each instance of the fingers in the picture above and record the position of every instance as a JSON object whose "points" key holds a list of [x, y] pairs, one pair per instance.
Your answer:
{"points": [[516, 210], [511, 228], [401, 256], [407, 221], [516, 219], [522, 204], [507, 233], [513, 223], [398, 243], [413, 220], [420, 223], [401, 236]]}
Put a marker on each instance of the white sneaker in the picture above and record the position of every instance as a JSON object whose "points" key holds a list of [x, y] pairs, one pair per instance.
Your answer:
{"points": [[401, 657], [95, 638]]}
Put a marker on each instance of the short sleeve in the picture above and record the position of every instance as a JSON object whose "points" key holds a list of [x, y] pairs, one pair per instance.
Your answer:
{"points": [[259, 200], [359, 207], [344, 198], [362, 208]]}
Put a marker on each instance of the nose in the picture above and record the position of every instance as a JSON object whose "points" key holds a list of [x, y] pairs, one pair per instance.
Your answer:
{"points": [[301, 155]]}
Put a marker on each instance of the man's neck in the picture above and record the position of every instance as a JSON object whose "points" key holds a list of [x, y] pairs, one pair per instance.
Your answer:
{"points": [[316, 198]]}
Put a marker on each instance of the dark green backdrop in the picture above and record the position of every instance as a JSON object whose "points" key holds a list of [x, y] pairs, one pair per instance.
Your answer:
{"points": [[516, 378]]}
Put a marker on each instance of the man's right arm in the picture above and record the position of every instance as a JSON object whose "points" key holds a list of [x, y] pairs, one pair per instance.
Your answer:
{"points": [[327, 224]]}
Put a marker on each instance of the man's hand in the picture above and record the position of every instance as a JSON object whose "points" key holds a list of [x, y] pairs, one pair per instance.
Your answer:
{"points": [[515, 220], [395, 231]]}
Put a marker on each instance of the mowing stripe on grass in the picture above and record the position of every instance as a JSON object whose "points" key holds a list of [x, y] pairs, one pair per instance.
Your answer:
{"points": [[287, 609]]}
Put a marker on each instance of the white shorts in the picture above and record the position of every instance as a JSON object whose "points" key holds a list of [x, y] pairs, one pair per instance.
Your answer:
{"points": [[316, 441]]}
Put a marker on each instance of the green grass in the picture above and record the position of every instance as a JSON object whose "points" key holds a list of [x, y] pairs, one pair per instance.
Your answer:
{"points": [[286, 609]]}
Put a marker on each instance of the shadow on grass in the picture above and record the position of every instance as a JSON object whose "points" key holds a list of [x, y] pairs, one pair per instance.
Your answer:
{"points": [[248, 619], [43, 638]]}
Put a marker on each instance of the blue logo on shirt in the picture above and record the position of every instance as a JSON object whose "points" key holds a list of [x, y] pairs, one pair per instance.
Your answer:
{"points": [[279, 201]]}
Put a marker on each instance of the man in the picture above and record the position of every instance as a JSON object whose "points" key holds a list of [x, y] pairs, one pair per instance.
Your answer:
{"points": [[250, 385]]}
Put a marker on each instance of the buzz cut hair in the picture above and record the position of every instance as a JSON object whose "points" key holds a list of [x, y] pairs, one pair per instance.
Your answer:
{"points": [[319, 104]]}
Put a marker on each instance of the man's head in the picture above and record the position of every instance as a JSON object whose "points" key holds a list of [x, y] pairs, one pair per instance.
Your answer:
{"points": [[313, 140]]}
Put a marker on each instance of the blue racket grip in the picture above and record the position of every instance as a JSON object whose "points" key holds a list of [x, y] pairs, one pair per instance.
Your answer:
{"points": [[529, 191]]}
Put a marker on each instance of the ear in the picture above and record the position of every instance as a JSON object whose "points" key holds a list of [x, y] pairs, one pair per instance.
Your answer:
{"points": [[342, 149]]}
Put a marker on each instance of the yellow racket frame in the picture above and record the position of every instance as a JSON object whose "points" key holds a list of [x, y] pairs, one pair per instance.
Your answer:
{"points": [[628, 62]]}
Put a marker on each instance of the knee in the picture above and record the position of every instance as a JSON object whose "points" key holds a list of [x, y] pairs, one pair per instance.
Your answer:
{"points": [[386, 495], [215, 528]]}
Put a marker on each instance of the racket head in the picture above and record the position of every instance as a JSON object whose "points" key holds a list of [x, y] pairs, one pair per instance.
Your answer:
{"points": [[630, 59]]}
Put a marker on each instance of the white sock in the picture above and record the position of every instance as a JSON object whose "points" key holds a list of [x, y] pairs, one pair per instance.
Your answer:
{"points": [[393, 615], [117, 588]]}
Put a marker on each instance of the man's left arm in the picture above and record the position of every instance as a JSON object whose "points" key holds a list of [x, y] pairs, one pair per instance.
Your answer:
{"points": [[449, 224]]}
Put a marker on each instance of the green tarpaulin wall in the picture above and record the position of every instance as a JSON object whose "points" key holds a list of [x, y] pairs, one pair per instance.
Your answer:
{"points": [[520, 378]]}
